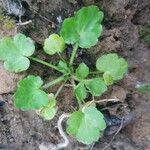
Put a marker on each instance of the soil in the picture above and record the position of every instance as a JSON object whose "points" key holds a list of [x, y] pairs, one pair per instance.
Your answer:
{"points": [[26, 130]]}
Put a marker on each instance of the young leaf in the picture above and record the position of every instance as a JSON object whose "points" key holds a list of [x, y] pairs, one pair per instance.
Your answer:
{"points": [[96, 86], [87, 125], [28, 95], [48, 112], [111, 63], [143, 88], [84, 28], [63, 67], [80, 91], [74, 122], [108, 79], [54, 44], [14, 52], [82, 71]]}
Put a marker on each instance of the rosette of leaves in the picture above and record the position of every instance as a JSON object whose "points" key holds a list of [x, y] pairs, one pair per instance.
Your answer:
{"points": [[84, 28], [86, 125], [15, 52]]}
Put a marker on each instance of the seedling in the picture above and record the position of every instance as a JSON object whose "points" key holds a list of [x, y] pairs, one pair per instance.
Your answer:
{"points": [[83, 30]]}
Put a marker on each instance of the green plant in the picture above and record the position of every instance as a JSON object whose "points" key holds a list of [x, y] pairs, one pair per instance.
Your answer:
{"points": [[82, 30], [143, 88], [144, 32]]}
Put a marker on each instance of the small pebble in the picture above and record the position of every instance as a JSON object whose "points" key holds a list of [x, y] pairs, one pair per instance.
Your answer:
{"points": [[11, 139]]}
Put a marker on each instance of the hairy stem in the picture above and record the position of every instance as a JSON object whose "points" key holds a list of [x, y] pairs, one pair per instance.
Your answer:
{"points": [[54, 82], [44, 63], [75, 48]]}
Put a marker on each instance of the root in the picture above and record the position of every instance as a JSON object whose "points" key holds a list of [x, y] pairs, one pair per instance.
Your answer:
{"points": [[62, 133]]}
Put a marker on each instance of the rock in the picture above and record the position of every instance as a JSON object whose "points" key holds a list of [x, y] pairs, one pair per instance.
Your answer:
{"points": [[14, 7], [8, 80]]}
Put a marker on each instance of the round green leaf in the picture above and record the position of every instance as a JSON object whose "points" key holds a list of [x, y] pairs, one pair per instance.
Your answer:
{"points": [[96, 86], [80, 91], [82, 71], [87, 125], [24, 44], [54, 44], [48, 112], [74, 122], [108, 79], [84, 28], [28, 95], [111, 63], [14, 52]]}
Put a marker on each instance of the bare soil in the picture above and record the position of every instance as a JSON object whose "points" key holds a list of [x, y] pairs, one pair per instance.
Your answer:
{"points": [[26, 130]]}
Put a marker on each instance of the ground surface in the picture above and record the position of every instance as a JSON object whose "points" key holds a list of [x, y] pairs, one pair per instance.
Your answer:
{"points": [[123, 18]]}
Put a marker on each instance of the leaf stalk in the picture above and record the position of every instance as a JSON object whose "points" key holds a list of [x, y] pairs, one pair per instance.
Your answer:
{"points": [[54, 82], [75, 48], [44, 63]]}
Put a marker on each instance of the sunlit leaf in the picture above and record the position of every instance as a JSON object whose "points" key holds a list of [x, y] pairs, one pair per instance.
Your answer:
{"points": [[96, 86], [48, 112], [84, 28], [54, 44], [28, 95], [14, 52], [86, 125], [82, 71], [80, 91], [63, 67], [111, 63]]}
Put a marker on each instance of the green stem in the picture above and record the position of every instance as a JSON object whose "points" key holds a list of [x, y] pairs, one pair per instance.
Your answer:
{"points": [[73, 84], [54, 82], [44, 63], [61, 57], [75, 48]]}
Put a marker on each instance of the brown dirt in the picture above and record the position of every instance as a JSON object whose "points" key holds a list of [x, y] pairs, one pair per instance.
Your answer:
{"points": [[26, 131]]}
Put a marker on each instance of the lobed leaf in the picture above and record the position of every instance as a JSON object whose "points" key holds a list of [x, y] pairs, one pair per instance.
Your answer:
{"points": [[54, 44], [28, 95], [84, 28], [87, 125], [48, 112], [14, 52], [80, 91], [96, 86], [82, 71], [113, 65], [63, 67]]}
